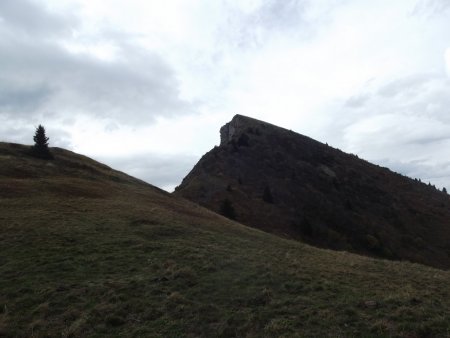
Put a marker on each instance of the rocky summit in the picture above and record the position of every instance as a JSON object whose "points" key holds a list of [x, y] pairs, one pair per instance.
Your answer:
{"points": [[288, 184]]}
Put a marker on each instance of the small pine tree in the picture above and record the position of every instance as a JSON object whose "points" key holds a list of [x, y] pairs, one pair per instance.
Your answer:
{"points": [[267, 195], [306, 227], [444, 190], [40, 148], [227, 210]]}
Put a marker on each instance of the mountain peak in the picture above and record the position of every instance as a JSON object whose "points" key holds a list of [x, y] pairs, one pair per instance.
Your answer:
{"points": [[240, 124], [291, 185]]}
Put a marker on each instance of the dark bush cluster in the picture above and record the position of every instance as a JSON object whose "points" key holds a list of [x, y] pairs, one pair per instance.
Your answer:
{"points": [[227, 210], [267, 195]]}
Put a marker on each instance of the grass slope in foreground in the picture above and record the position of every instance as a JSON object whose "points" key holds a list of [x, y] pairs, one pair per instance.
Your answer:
{"points": [[89, 251]]}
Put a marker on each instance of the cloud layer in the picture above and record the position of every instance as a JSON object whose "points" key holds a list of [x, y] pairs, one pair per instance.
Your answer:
{"points": [[47, 69], [145, 86]]}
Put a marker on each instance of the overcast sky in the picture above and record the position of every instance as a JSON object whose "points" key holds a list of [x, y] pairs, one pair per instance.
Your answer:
{"points": [[145, 85]]}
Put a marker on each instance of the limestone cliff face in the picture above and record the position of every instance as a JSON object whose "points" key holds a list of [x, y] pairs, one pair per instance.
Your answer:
{"points": [[293, 186], [239, 124], [228, 130]]}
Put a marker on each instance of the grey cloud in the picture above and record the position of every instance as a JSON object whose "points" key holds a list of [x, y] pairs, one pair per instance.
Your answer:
{"points": [[249, 30], [437, 174], [418, 95], [428, 139], [29, 17], [15, 98], [396, 123], [57, 137], [280, 14], [397, 134], [431, 7], [16, 133], [423, 95], [166, 172], [410, 85], [39, 76], [357, 101]]}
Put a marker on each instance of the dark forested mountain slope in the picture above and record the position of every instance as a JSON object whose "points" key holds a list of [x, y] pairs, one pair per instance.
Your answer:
{"points": [[285, 183]]}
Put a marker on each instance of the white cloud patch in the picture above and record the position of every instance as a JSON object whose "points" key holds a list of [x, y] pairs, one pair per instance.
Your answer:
{"points": [[161, 170], [447, 60], [22, 131], [403, 124], [250, 25], [431, 7]]}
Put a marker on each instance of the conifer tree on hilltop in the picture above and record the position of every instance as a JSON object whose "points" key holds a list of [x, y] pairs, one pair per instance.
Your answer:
{"points": [[40, 148]]}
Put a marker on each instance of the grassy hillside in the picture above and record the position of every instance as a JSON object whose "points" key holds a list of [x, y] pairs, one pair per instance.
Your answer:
{"points": [[88, 251]]}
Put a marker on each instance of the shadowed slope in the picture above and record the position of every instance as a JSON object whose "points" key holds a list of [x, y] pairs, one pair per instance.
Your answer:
{"points": [[89, 251], [291, 185]]}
